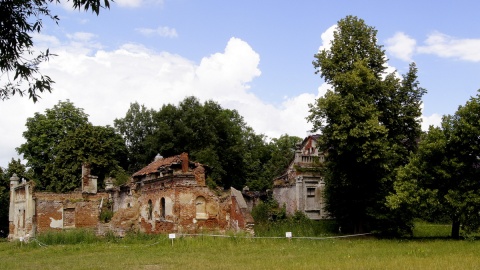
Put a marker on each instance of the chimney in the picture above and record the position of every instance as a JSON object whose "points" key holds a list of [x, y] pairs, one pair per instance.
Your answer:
{"points": [[184, 159], [89, 182], [85, 173]]}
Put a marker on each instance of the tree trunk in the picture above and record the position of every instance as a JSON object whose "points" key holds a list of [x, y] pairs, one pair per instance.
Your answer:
{"points": [[455, 229]]}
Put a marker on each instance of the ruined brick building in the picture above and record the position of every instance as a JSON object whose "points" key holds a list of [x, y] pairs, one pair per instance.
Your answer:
{"points": [[169, 195], [301, 187]]}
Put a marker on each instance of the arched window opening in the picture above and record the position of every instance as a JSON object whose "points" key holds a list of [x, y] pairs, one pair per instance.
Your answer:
{"points": [[162, 207], [150, 209], [201, 208]]}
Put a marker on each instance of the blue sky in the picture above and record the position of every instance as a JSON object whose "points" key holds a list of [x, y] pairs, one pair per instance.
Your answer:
{"points": [[252, 56]]}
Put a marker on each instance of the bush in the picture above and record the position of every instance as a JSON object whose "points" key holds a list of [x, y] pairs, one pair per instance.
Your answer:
{"points": [[268, 211], [106, 215]]}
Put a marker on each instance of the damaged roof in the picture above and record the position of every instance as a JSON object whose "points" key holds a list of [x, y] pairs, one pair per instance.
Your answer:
{"points": [[159, 163]]}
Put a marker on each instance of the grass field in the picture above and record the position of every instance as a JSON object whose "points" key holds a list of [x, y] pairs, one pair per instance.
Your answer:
{"points": [[430, 250]]}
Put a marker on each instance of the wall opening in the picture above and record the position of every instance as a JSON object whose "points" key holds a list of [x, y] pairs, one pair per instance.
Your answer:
{"points": [[162, 207], [150, 209], [201, 208], [23, 216]]}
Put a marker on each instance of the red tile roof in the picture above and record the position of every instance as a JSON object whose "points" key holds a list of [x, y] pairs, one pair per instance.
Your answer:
{"points": [[157, 164]]}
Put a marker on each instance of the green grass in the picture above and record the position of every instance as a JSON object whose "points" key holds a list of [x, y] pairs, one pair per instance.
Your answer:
{"points": [[244, 253], [299, 228], [77, 250], [431, 230]]}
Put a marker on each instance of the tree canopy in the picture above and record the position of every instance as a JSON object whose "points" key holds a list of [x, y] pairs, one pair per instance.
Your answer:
{"points": [[19, 61], [211, 135], [368, 121], [440, 181], [59, 141]]}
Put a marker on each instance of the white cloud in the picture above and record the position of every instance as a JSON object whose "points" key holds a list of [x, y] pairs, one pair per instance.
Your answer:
{"points": [[68, 5], [327, 38], [401, 46], [322, 89], [450, 47], [432, 120], [137, 3], [162, 31], [129, 3], [82, 36], [105, 82]]}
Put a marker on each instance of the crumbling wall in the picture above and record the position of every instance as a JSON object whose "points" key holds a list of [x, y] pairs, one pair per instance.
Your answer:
{"points": [[286, 196], [240, 217], [89, 182], [73, 210], [179, 206], [22, 209]]}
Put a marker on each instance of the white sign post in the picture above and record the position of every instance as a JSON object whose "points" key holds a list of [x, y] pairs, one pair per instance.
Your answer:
{"points": [[171, 236], [288, 235]]}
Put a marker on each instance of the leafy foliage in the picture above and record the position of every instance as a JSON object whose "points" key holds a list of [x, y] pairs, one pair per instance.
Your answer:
{"points": [[369, 121], [135, 127], [211, 135], [441, 179], [59, 141], [272, 220], [275, 157], [19, 62]]}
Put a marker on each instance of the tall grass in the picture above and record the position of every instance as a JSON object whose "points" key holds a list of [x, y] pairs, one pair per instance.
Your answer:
{"points": [[273, 221], [298, 228], [68, 237]]}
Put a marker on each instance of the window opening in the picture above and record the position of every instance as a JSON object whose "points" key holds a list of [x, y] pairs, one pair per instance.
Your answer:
{"points": [[162, 207], [150, 209], [201, 208]]}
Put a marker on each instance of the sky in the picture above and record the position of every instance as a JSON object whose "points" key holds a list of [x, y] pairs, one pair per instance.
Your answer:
{"points": [[252, 56]]}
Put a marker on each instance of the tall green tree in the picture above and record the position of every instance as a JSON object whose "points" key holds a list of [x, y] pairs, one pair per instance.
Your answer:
{"points": [[59, 141], [441, 179], [135, 127], [98, 146], [43, 135], [19, 62], [210, 134], [363, 122]]}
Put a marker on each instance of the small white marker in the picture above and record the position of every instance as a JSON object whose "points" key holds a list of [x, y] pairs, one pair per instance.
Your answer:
{"points": [[171, 236]]}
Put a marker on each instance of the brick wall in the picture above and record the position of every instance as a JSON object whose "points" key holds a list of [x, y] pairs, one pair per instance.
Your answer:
{"points": [[72, 210]]}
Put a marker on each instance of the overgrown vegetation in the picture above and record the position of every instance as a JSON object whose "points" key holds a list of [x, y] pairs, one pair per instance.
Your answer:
{"points": [[68, 237], [106, 213], [273, 221]]}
